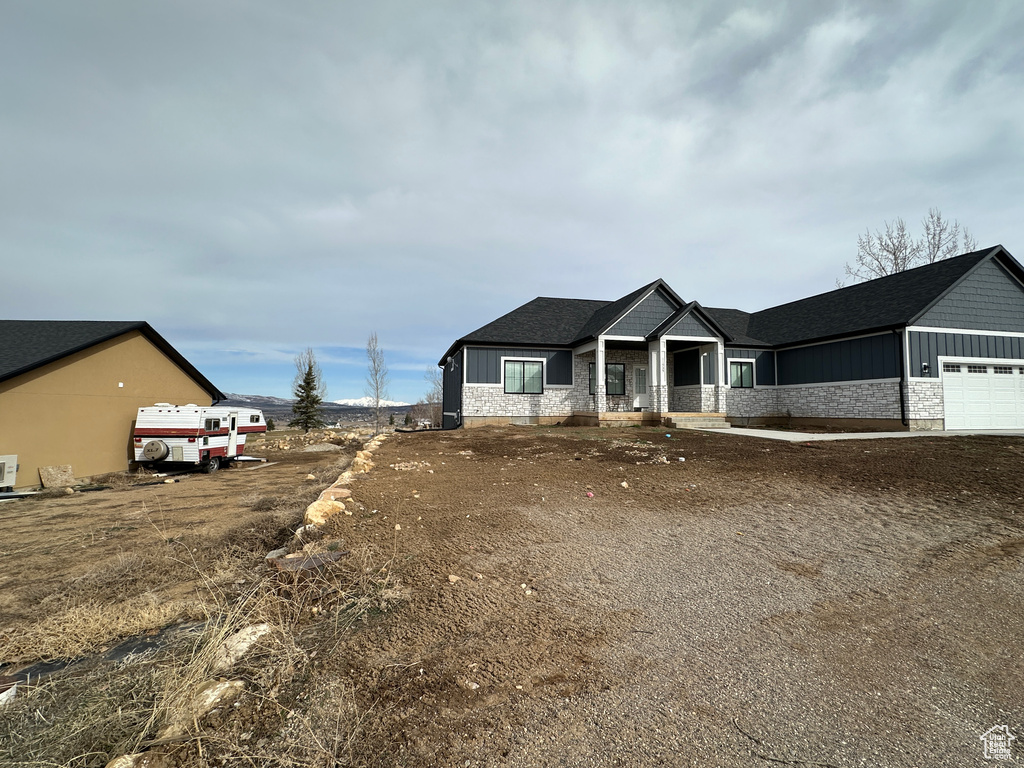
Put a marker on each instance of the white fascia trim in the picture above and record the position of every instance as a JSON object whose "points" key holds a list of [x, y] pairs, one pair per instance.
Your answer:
{"points": [[977, 361], [830, 341], [839, 383], [702, 339], [965, 331], [590, 346], [623, 338]]}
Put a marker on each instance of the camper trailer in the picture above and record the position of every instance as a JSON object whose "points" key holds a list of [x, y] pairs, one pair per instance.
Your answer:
{"points": [[206, 436]]}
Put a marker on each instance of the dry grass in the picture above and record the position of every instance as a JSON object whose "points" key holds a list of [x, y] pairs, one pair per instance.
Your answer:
{"points": [[87, 716]]}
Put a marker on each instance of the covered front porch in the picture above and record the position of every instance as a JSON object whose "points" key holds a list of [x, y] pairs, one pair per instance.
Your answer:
{"points": [[632, 381]]}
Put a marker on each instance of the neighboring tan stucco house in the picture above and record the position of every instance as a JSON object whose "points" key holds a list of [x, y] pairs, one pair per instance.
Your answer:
{"points": [[939, 346], [70, 390]]}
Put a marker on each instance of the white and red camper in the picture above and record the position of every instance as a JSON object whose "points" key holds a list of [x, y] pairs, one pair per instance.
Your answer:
{"points": [[206, 436]]}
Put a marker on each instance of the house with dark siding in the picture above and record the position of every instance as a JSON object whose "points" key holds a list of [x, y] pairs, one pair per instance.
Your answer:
{"points": [[939, 346]]}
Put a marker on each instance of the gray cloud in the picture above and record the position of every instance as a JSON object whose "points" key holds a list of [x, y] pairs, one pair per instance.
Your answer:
{"points": [[267, 175]]}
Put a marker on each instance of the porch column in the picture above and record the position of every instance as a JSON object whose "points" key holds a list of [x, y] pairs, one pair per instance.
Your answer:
{"points": [[600, 399], [657, 392], [722, 380]]}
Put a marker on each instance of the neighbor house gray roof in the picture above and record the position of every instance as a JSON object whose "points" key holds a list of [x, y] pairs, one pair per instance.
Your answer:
{"points": [[29, 344]]}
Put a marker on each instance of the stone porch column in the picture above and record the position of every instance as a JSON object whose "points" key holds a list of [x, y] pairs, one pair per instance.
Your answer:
{"points": [[657, 392]]}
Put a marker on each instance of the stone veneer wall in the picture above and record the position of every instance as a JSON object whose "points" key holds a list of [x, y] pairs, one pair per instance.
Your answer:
{"points": [[925, 404], [757, 402], [685, 399], [492, 401], [864, 400]]}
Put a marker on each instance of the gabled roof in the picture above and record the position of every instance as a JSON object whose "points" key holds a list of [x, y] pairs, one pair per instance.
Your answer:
{"points": [[886, 302], [613, 311], [552, 322], [734, 323], [692, 308], [29, 344]]}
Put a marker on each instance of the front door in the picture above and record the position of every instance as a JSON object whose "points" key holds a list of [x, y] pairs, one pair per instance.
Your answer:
{"points": [[640, 399], [233, 436]]}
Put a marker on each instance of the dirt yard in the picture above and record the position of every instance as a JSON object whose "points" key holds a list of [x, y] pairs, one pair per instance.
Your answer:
{"points": [[760, 603]]}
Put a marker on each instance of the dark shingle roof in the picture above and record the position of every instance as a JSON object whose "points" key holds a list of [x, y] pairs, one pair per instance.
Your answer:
{"points": [[887, 302], [544, 321], [734, 323], [29, 344]]}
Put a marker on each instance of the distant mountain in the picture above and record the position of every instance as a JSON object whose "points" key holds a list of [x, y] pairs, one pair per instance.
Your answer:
{"points": [[258, 401], [352, 412], [367, 402]]}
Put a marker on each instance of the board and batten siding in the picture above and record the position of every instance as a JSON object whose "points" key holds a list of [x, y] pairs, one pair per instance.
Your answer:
{"points": [[869, 357], [989, 299], [644, 317], [764, 363], [927, 347], [483, 364]]}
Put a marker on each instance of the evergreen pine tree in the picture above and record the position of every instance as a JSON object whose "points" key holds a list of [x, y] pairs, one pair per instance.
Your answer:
{"points": [[309, 391]]}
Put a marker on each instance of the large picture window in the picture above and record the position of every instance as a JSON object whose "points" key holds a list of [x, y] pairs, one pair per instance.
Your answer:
{"points": [[615, 378], [524, 378], [741, 374]]}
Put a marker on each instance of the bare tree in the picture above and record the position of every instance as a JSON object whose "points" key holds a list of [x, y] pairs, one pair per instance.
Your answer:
{"points": [[942, 238], [895, 250], [377, 380], [435, 394]]}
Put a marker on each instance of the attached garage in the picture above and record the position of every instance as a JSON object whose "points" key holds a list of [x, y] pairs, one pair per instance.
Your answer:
{"points": [[980, 394]]}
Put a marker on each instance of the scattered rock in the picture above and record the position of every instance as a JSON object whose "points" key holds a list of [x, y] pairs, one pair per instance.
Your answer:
{"points": [[307, 561], [276, 553], [209, 696], [624, 484], [321, 448], [237, 645], [453, 578], [8, 695], [57, 476], [311, 477], [69, 491], [321, 510]]}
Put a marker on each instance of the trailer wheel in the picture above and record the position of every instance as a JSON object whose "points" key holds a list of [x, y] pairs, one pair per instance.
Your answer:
{"points": [[211, 466]]}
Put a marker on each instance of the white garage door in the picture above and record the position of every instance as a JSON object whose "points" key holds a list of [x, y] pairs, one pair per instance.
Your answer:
{"points": [[982, 395]]}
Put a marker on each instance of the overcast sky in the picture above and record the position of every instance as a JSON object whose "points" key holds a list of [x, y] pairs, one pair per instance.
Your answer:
{"points": [[253, 177]]}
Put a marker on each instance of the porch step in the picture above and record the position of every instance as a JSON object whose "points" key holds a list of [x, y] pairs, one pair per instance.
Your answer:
{"points": [[698, 421]]}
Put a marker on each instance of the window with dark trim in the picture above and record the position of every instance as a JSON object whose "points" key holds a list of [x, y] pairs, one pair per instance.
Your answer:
{"points": [[523, 377], [741, 374], [212, 425], [615, 378], [592, 371], [254, 419]]}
